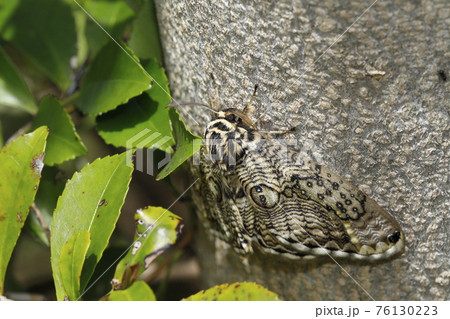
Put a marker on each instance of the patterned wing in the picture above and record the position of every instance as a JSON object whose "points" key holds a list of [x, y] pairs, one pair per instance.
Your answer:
{"points": [[301, 208], [223, 204]]}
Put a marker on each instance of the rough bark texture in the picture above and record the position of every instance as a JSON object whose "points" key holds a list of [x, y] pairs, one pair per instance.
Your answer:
{"points": [[374, 108]]}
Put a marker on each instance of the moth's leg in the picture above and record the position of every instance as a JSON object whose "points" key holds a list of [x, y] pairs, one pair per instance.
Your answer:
{"points": [[278, 132], [249, 108]]}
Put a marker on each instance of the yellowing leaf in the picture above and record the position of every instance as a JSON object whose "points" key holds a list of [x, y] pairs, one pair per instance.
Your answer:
{"points": [[138, 291], [240, 291], [21, 163], [156, 230]]}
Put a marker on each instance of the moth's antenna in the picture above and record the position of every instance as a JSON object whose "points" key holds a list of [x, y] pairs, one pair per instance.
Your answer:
{"points": [[215, 102], [248, 109], [193, 104]]}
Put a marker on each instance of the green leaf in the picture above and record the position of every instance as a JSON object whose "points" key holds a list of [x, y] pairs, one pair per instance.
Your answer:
{"points": [[144, 38], [44, 31], [33, 225], [138, 291], [157, 229], [187, 144], [113, 16], [91, 201], [71, 261], [159, 91], [7, 9], [240, 291], [21, 162], [63, 141], [143, 122], [50, 188], [13, 90], [80, 19], [114, 77]]}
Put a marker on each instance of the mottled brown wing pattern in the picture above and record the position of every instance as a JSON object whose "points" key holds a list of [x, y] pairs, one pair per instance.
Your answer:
{"points": [[305, 207], [223, 217], [261, 194]]}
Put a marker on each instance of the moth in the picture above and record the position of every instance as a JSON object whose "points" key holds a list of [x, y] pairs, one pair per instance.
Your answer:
{"points": [[261, 194]]}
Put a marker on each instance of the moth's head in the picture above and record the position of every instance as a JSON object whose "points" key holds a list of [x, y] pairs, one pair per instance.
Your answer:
{"points": [[235, 117]]}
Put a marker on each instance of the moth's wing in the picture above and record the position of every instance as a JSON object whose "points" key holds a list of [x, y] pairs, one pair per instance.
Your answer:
{"points": [[281, 223], [222, 215], [373, 232], [317, 212], [300, 229]]}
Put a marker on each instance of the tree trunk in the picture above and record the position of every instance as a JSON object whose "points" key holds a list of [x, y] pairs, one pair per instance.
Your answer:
{"points": [[366, 87]]}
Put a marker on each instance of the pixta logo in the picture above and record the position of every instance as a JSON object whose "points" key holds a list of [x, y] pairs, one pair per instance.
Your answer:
{"points": [[145, 143]]}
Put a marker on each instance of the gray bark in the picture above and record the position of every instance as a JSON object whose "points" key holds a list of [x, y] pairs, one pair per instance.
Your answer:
{"points": [[374, 108]]}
